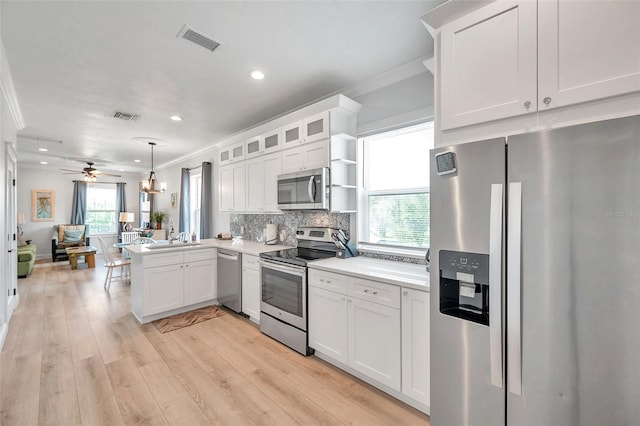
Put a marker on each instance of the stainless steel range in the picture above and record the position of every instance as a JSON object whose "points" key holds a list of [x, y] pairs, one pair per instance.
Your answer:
{"points": [[283, 306]]}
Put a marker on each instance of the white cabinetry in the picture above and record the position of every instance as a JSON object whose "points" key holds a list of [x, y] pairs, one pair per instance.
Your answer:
{"points": [[515, 57], [374, 341], [311, 129], [264, 144], [375, 330], [171, 282], [303, 140], [232, 187], [262, 188], [372, 328], [251, 287], [164, 288], [305, 157], [232, 153], [415, 345]]}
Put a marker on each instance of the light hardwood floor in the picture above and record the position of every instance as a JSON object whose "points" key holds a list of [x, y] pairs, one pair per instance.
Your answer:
{"points": [[75, 355]]}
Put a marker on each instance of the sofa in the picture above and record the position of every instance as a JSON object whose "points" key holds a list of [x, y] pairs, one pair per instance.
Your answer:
{"points": [[26, 259], [65, 236]]}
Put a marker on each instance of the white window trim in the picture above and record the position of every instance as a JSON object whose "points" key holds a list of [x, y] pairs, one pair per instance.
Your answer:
{"points": [[363, 203]]}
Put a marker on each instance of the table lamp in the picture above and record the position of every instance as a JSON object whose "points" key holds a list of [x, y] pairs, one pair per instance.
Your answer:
{"points": [[126, 218], [21, 221]]}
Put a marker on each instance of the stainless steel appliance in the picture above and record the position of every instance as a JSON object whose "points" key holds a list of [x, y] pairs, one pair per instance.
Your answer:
{"points": [[535, 279], [230, 279], [307, 190], [283, 306]]}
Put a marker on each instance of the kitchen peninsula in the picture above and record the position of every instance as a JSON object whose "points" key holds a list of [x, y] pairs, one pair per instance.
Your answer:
{"points": [[171, 279]]}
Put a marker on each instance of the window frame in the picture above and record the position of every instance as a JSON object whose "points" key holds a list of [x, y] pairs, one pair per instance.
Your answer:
{"points": [[194, 221], [115, 212], [362, 214]]}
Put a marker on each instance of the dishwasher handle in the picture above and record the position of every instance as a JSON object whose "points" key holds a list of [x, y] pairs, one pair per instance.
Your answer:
{"points": [[227, 256]]}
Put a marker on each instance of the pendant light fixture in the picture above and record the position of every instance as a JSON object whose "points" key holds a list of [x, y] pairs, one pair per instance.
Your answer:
{"points": [[150, 186]]}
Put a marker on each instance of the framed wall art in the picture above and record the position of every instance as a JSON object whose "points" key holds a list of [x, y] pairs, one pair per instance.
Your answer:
{"points": [[174, 199], [43, 205]]}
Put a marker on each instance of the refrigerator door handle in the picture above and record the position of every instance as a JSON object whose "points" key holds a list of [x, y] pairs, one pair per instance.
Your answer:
{"points": [[495, 285], [514, 288]]}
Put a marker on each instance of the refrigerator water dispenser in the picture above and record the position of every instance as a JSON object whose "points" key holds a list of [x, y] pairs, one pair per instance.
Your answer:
{"points": [[464, 285]]}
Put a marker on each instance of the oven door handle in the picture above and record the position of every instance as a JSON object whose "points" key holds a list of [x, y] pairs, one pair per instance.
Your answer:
{"points": [[298, 271]]}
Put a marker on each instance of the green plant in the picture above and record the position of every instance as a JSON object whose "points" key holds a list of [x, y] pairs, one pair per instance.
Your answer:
{"points": [[158, 217]]}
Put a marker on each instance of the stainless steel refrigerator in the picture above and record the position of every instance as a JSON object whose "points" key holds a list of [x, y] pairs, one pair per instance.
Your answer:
{"points": [[535, 278]]}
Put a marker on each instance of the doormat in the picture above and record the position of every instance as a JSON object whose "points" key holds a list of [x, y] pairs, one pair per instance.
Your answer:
{"points": [[178, 321]]}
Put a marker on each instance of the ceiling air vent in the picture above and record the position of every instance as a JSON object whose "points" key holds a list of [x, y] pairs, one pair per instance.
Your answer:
{"points": [[125, 116], [198, 38]]}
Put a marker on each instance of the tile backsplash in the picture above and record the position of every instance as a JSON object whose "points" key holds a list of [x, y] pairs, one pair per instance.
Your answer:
{"points": [[254, 224]]}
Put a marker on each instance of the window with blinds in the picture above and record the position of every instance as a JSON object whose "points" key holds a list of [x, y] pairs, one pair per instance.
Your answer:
{"points": [[393, 214]]}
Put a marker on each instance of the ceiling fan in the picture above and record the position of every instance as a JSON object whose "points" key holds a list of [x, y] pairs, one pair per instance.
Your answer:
{"points": [[90, 173]]}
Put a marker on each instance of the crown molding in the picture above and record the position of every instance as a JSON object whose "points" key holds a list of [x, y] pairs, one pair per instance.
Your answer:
{"points": [[8, 90], [387, 78]]}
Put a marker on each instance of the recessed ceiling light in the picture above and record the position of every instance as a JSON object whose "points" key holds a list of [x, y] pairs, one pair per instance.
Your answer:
{"points": [[122, 170], [176, 118], [256, 74], [43, 162], [43, 149], [136, 161]]}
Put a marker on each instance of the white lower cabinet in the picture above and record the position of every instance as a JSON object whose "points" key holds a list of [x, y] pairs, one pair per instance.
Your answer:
{"points": [[172, 282], [374, 341], [348, 324], [415, 345], [198, 284], [163, 288], [370, 328], [251, 287], [327, 323]]}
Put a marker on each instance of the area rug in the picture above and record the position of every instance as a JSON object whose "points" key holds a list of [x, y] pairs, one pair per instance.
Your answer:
{"points": [[178, 321]]}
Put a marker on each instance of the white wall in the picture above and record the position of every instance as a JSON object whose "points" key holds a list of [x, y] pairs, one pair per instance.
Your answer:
{"points": [[42, 178], [172, 175], [404, 102]]}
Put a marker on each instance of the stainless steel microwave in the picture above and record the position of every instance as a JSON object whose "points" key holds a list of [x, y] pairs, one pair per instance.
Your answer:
{"points": [[307, 190]]}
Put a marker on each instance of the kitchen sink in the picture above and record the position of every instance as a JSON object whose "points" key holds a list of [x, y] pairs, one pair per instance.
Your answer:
{"points": [[171, 246]]}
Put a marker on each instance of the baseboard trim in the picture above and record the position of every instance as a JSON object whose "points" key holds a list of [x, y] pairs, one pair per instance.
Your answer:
{"points": [[4, 329]]}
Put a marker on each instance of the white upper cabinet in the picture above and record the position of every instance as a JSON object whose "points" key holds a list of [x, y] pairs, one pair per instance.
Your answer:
{"points": [[316, 127], [232, 153], [516, 57], [263, 144], [232, 187], [254, 147], [489, 64], [292, 134], [272, 141], [587, 50], [311, 129], [262, 183]]}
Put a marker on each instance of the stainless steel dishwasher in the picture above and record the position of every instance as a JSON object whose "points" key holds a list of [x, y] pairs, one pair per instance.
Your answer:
{"points": [[230, 279]]}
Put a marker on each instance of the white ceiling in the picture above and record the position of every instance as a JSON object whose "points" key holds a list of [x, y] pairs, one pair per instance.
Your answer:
{"points": [[75, 63]]}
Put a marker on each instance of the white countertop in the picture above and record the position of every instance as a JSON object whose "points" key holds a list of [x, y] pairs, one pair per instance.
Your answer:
{"points": [[247, 247], [409, 275]]}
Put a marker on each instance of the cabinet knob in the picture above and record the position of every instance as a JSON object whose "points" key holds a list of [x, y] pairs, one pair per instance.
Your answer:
{"points": [[328, 281], [343, 299], [366, 290], [527, 105], [405, 293], [375, 292], [181, 266], [547, 100]]}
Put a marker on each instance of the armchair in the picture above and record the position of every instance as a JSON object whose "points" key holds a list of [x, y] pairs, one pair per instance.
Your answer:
{"points": [[65, 236]]}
